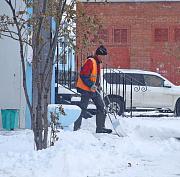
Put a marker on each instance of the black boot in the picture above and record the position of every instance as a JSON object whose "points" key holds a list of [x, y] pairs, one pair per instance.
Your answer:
{"points": [[76, 128], [77, 123], [103, 130], [100, 123]]}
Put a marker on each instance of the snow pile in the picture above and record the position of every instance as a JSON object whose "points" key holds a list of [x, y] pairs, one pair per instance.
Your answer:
{"points": [[150, 150]]}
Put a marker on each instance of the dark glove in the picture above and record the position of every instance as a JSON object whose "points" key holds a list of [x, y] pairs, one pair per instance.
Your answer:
{"points": [[93, 87]]}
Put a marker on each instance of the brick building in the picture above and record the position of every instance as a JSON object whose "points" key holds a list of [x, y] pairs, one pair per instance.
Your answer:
{"points": [[137, 34]]}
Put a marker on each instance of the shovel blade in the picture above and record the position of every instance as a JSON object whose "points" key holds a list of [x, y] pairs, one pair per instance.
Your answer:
{"points": [[117, 127]]}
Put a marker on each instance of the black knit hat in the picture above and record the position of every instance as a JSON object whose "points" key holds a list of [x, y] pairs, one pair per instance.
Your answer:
{"points": [[101, 50]]}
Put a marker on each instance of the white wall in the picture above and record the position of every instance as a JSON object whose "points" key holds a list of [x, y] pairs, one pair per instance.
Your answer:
{"points": [[11, 89]]}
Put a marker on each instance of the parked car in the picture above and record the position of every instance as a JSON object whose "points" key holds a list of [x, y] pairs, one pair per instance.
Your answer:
{"points": [[148, 91]]}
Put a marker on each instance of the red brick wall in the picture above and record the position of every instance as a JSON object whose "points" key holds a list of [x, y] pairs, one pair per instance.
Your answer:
{"points": [[140, 17]]}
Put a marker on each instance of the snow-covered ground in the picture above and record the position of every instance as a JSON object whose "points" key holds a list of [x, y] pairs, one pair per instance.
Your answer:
{"points": [[150, 150]]}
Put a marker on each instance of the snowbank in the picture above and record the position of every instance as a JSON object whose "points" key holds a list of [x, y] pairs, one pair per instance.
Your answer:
{"points": [[150, 150]]}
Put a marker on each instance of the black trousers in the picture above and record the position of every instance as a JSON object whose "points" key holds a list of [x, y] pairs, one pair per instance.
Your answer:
{"points": [[101, 112]]}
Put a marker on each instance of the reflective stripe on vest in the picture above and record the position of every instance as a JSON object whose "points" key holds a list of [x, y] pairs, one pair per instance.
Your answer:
{"points": [[93, 77]]}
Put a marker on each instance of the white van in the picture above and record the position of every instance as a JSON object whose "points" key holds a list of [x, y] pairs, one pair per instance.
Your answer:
{"points": [[150, 91]]}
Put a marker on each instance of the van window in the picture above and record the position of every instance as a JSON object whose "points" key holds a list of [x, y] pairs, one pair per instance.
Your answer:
{"points": [[137, 79], [113, 78], [153, 81], [120, 78]]}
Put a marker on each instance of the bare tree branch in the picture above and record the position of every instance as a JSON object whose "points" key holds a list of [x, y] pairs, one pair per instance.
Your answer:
{"points": [[22, 58], [58, 19]]}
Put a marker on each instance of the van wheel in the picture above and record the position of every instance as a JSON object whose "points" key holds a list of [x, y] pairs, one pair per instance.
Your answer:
{"points": [[114, 104], [178, 108]]}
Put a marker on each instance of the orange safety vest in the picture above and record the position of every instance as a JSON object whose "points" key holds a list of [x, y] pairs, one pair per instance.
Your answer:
{"points": [[93, 77]]}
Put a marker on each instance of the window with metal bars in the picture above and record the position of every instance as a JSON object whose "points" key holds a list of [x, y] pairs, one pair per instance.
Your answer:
{"points": [[120, 36], [177, 34], [161, 35]]}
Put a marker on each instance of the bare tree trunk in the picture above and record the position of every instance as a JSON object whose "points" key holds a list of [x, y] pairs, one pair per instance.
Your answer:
{"points": [[45, 120]]}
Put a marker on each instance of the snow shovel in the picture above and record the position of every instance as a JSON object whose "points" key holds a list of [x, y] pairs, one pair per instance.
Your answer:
{"points": [[113, 119], [116, 125]]}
